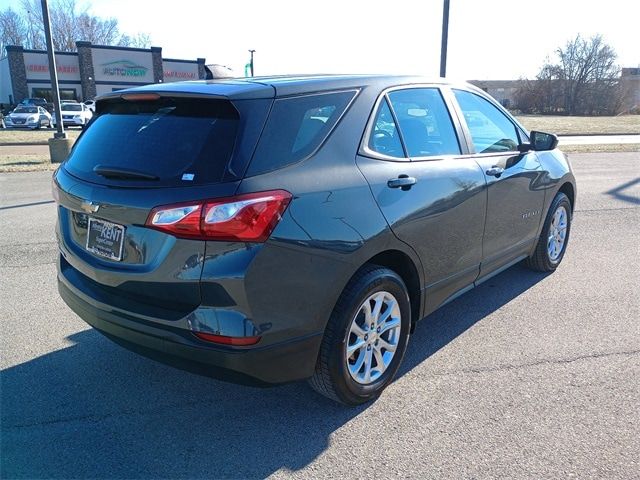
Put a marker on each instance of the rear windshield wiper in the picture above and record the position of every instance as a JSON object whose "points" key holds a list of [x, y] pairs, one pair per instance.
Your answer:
{"points": [[123, 173]]}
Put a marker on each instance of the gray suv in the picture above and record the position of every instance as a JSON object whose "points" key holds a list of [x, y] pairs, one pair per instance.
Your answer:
{"points": [[268, 230]]}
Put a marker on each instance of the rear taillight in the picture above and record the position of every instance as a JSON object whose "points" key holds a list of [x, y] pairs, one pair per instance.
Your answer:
{"points": [[243, 218]]}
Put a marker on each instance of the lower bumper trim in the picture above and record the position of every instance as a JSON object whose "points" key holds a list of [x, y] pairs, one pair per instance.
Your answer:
{"points": [[259, 366]]}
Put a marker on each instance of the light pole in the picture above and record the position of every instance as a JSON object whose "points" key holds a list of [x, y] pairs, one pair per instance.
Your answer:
{"points": [[59, 145], [251, 61], [53, 72], [445, 37]]}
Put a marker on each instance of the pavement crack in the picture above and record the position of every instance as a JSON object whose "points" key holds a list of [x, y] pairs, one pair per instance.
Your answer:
{"points": [[605, 209], [559, 361], [95, 418], [30, 265], [26, 244]]}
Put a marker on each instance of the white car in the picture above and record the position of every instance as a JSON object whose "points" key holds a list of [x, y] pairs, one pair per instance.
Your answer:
{"points": [[91, 105], [74, 114], [29, 116]]}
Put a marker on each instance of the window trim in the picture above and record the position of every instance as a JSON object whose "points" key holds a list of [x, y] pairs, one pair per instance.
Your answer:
{"points": [[471, 147], [364, 149]]}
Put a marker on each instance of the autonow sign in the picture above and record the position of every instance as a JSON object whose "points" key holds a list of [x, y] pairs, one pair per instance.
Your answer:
{"points": [[122, 65]]}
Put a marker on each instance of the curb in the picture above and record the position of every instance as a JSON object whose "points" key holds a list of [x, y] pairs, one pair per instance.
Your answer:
{"points": [[627, 134]]}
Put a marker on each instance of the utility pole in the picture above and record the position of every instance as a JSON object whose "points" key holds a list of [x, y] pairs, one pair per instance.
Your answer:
{"points": [[251, 61], [445, 37], [53, 72]]}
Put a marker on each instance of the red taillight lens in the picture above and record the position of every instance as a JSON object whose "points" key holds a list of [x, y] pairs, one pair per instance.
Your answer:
{"points": [[221, 339], [244, 218]]}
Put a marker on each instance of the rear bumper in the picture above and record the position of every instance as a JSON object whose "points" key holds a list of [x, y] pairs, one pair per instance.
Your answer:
{"points": [[257, 366], [21, 125]]}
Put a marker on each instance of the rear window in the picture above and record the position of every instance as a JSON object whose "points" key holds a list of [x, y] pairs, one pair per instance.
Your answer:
{"points": [[296, 128], [179, 141]]}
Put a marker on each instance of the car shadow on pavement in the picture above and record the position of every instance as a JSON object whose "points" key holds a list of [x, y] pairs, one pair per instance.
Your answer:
{"points": [[96, 410]]}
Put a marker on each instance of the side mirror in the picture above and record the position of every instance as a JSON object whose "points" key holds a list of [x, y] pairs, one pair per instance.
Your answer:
{"points": [[525, 147], [541, 141]]}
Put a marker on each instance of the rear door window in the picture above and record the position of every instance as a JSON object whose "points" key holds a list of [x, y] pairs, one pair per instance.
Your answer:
{"points": [[175, 141], [296, 127], [425, 123], [384, 138]]}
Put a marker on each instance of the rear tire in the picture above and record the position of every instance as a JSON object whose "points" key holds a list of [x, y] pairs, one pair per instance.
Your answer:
{"points": [[554, 237], [364, 343]]}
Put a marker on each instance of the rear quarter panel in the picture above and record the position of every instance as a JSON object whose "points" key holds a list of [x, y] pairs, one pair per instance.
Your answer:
{"points": [[330, 229]]}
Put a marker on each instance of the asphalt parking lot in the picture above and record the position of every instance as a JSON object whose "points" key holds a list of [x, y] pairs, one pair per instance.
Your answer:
{"points": [[527, 376]]}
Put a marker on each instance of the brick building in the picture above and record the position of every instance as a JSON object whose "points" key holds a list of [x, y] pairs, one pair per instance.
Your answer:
{"points": [[92, 70]]}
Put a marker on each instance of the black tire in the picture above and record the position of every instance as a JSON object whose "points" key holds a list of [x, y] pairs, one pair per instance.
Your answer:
{"points": [[540, 260], [39, 125], [332, 378]]}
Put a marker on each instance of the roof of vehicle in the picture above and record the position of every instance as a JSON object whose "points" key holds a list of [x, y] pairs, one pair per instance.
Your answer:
{"points": [[23, 107], [278, 86]]}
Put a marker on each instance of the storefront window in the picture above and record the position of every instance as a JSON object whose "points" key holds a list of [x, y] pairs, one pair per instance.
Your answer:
{"points": [[65, 94]]}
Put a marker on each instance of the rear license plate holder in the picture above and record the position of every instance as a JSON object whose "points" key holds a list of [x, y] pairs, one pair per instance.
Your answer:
{"points": [[105, 239]]}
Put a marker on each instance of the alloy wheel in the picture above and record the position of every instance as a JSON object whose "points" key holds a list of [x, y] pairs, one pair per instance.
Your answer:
{"points": [[557, 233], [373, 338]]}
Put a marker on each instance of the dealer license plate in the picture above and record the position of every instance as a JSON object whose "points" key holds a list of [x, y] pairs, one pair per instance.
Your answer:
{"points": [[105, 239]]}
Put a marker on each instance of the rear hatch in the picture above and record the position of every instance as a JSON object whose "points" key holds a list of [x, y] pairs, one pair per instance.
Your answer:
{"points": [[143, 151]]}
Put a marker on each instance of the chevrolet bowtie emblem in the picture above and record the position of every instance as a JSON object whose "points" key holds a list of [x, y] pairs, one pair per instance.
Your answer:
{"points": [[89, 207]]}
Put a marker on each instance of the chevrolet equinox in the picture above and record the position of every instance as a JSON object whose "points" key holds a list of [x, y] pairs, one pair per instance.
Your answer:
{"points": [[274, 229]]}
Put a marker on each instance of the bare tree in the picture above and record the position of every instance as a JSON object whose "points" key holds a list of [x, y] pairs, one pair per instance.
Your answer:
{"points": [[32, 14], [13, 30], [587, 69], [99, 31], [140, 40], [584, 80], [69, 23]]}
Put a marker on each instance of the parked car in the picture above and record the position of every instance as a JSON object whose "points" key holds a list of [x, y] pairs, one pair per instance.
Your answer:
{"points": [[28, 116], [74, 114], [91, 105], [277, 229], [38, 102]]}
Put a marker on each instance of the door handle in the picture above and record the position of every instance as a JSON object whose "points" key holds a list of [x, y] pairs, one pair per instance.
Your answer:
{"points": [[405, 182], [495, 171]]}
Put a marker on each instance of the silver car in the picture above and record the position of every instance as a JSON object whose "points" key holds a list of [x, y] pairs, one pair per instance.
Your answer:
{"points": [[28, 116]]}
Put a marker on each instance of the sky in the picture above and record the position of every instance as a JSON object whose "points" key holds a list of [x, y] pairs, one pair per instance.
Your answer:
{"points": [[488, 39]]}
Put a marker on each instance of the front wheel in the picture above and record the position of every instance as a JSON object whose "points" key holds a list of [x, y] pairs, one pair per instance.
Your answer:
{"points": [[365, 338], [554, 237]]}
